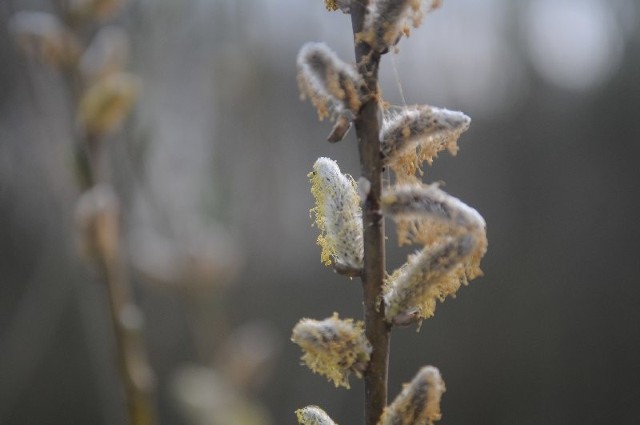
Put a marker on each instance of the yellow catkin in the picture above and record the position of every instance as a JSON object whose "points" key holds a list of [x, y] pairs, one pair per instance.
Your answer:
{"points": [[388, 20], [454, 239], [333, 347], [338, 215], [313, 415], [419, 401], [333, 86], [106, 104], [330, 5], [415, 134]]}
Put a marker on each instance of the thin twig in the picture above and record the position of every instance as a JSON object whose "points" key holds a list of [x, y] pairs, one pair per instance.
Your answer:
{"points": [[367, 131]]}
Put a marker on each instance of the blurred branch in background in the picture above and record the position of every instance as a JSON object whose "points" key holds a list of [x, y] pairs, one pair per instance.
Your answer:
{"points": [[174, 253], [101, 97]]}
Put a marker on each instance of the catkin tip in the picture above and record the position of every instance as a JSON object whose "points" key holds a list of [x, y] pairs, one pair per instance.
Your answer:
{"points": [[418, 402], [412, 135], [313, 415]]}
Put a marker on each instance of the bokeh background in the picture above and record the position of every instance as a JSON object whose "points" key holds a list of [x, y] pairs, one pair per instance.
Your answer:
{"points": [[211, 170]]}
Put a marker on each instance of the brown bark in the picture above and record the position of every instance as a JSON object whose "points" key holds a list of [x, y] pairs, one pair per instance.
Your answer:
{"points": [[367, 127]]}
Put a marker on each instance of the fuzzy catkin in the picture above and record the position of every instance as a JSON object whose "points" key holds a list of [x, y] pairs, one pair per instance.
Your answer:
{"points": [[430, 275], [419, 401], [333, 347], [388, 20], [415, 201], [333, 86], [338, 215], [454, 239], [313, 415], [414, 134], [343, 5]]}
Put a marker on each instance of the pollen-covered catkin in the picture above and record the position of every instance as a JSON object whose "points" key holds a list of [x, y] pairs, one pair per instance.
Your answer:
{"points": [[313, 415], [338, 215], [415, 134], [333, 86], [432, 274], [425, 213], [419, 401], [388, 20], [416, 201], [333, 347], [454, 239]]}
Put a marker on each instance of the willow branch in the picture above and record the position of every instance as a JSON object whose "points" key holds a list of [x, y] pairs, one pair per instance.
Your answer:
{"points": [[367, 127]]}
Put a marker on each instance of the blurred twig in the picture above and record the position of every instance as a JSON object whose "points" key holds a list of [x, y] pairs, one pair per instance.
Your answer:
{"points": [[101, 235]]}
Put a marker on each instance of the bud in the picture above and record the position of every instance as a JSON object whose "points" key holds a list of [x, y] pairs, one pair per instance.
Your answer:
{"points": [[340, 129], [388, 20], [334, 87], [419, 401], [97, 223], [313, 415], [106, 55], [422, 130], [333, 348], [338, 216], [106, 104], [42, 36]]}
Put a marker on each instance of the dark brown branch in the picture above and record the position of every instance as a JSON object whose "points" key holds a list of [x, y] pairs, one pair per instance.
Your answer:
{"points": [[367, 127]]}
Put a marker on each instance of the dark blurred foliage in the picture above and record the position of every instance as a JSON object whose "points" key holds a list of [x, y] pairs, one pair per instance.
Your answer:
{"points": [[220, 140]]}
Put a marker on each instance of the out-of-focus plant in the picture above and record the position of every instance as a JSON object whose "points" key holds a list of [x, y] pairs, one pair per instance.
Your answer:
{"points": [[350, 215], [196, 262], [91, 56]]}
